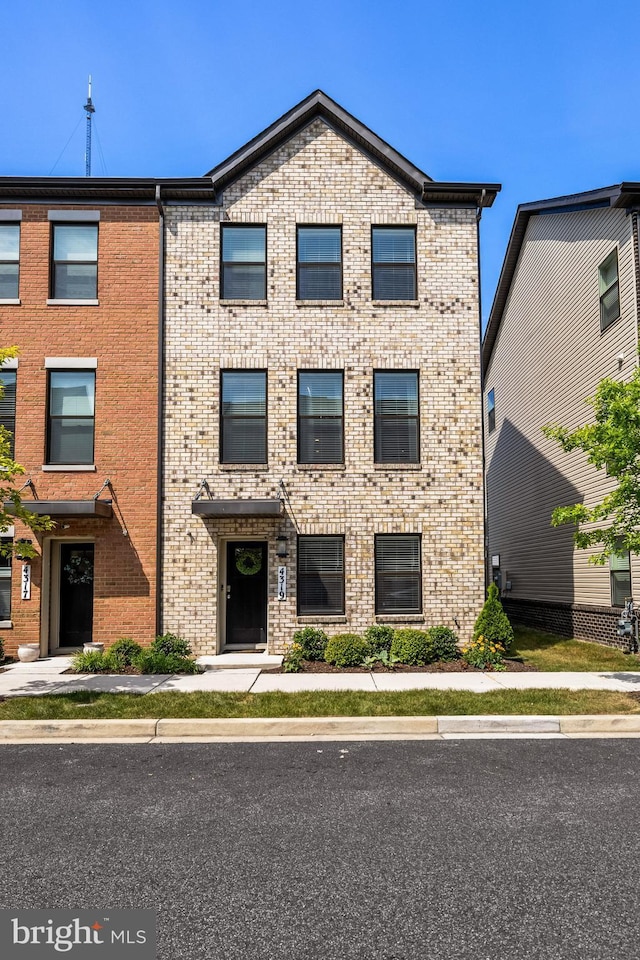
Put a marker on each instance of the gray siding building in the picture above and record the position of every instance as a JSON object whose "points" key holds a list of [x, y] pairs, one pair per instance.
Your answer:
{"points": [[565, 315]]}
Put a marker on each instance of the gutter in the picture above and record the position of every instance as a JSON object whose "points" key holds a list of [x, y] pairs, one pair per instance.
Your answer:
{"points": [[160, 426], [485, 565]]}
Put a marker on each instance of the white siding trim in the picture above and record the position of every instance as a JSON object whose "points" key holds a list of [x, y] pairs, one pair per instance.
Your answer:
{"points": [[70, 363]]}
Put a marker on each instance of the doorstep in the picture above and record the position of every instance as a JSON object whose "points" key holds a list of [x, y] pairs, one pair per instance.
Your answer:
{"points": [[240, 661]]}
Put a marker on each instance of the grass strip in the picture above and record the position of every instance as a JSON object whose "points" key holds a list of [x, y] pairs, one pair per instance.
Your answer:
{"points": [[83, 705], [548, 652]]}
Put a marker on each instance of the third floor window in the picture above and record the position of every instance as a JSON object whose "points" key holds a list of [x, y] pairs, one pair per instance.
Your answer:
{"points": [[244, 262], [319, 263], [393, 261], [74, 273], [9, 260]]}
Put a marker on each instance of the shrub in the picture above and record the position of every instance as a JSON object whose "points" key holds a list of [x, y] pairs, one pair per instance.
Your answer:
{"points": [[123, 652], [445, 643], [384, 657], [292, 660], [91, 662], [493, 623], [1, 651], [312, 642], [484, 654], [413, 647], [152, 661], [346, 650], [169, 644], [379, 638]]}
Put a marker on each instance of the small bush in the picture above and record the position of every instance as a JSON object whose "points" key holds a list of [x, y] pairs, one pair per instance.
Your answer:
{"points": [[384, 657], [346, 650], [91, 662], [170, 644], [292, 660], [379, 638], [1, 651], [484, 654], [445, 643], [493, 623], [151, 661], [312, 642], [413, 647], [123, 652]]}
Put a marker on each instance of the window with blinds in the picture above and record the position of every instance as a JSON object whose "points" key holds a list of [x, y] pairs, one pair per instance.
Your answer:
{"points": [[74, 274], [620, 572], [609, 290], [244, 262], [70, 433], [243, 411], [9, 260], [320, 417], [8, 405], [319, 263], [396, 420], [393, 255], [5, 581], [398, 574], [320, 575]]}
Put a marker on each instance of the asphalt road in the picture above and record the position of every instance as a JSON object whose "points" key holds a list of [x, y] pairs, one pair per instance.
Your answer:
{"points": [[482, 850]]}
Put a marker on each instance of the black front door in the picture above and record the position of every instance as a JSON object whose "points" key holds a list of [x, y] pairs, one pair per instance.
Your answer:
{"points": [[76, 594], [246, 592]]}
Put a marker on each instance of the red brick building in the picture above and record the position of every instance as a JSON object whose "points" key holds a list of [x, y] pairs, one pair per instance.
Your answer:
{"points": [[81, 297]]}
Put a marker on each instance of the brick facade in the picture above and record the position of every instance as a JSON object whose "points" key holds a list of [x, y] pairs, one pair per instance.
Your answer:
{"points": [[319, 177], [121, 333]]}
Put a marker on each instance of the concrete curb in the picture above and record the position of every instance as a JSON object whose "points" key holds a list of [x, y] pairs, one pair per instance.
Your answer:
{"points": [[316, 727]]}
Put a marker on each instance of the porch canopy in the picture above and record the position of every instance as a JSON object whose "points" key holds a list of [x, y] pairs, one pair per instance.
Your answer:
{"points": [[237, 508], [98, 509]]}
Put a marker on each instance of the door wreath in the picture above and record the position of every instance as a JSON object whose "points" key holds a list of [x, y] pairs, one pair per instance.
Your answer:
{"points": [[79, 569], [248, 561]]}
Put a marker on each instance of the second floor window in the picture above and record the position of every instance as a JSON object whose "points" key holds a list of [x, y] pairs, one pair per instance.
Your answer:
{"points": [[243, 416], [70, 433], [8, 406], [320, 417], [396, 433], [9, 260], [491, 410], [609, 291], [74, 274], [393, 261], [244, 263], [319, 263]]}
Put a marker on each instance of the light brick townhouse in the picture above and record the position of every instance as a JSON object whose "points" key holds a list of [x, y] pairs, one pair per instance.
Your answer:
{"points": [[322, 414], [79, 296], [565, 315]]}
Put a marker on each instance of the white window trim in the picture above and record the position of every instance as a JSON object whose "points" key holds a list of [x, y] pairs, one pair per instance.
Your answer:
{"points": [[70, 363], [6, 215], [67, 215]]}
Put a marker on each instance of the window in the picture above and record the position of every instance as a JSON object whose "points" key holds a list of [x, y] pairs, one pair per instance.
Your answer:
{"points": [[609, 296], [320, 417], [396, 433], [244, 416], [491, 410], [398, 576], [620, 569], [75, 261], [71, 416], [244, 266], [8, 405], [319, 263], [394, 263], [320, 576], [9, 260], [5, 582]]}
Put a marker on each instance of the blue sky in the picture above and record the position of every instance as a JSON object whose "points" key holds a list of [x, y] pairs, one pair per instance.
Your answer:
{"points": [[541, 97]]}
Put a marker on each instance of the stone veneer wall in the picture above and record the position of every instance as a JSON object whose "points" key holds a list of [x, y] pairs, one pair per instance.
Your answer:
{"points": [[318, 177]]}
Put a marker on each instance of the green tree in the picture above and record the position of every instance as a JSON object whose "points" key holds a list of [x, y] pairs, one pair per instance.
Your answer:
{"points": [[612, 442], [493, 623], [9, 493]]}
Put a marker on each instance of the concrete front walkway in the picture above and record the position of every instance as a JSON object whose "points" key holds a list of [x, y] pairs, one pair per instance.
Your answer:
{"points": [[48, 676]]}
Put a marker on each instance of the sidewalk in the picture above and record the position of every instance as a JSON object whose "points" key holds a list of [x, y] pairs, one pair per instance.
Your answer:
{"points": [[47, 676]]}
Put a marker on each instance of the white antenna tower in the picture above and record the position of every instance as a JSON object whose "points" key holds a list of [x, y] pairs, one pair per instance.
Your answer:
{"points": [[89, 107]]}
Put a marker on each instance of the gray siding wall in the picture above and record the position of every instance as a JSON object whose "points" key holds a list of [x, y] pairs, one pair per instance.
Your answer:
{"points": [[549, 357]]}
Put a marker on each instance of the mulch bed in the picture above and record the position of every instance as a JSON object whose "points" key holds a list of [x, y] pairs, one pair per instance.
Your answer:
{"points": [[453, 666]]}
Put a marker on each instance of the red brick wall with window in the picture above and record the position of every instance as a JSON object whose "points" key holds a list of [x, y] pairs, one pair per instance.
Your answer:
{"points": [[122, 333]]}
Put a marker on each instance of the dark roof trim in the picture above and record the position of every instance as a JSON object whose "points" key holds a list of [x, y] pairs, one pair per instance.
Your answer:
{"points": [[318, 104], [98, 509], [623, 195], [107, 189], [237, 508]]}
